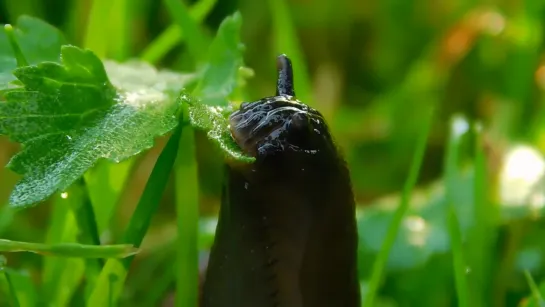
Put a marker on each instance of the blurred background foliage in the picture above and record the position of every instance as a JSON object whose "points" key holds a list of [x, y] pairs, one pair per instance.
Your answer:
{"points": [[374, 69]]}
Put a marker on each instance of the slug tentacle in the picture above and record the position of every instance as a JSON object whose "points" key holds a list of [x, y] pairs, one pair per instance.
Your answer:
{"points": [[284, 85]]}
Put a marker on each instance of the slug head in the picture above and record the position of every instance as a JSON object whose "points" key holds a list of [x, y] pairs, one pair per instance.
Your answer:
{"points": [[281, 124], [276, 125]]}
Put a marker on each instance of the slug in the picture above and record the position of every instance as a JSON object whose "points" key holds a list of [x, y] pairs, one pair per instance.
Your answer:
{"points": [[286, 234]]}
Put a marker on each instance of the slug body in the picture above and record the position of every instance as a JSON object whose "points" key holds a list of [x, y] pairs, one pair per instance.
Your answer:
{"points": [[286, 235]]}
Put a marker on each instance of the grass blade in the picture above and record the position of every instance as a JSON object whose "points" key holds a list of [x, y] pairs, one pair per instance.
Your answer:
{"points": [[174, 35], [151, 197], [459, 128], [11, 288], [20, 288], [140, 220], [393, 228], [120, 30], [61, 276], [536, 294], [458, 258], [96, 27], [187, 211], [104, 184], [85, 214], [161, 286], [197, 40], [482, 235], [13, 294]]}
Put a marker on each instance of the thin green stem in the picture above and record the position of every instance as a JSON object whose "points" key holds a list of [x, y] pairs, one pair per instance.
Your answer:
{"points": [[151, 197], [393, 228], [69, 249], [536, 294], [459, 127], [85, 215], [19, 56], [459, 262], [481, 238], [187, 207]]}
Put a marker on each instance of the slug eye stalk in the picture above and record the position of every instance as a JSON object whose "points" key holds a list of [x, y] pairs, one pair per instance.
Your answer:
{"points": [[284, 85]]}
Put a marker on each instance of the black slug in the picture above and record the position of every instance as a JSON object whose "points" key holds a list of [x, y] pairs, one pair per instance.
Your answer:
{"points": [[286, 235]]}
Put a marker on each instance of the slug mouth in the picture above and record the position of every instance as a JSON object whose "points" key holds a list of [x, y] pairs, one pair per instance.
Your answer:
{"points": [[264, 125]]}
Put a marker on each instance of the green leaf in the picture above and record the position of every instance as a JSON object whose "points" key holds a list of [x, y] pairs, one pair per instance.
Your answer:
{"points": [[128, 77], [38, 40], [220, 78], [215, 121], [220, 74], [69, 115]]}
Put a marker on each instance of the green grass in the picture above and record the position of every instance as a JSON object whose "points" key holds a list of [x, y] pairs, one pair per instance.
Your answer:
{"points": [[393, 228], [187, 213], [436, 228]]}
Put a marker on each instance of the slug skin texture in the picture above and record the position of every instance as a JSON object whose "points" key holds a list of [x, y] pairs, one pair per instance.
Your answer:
{"points": [[286, 235]]}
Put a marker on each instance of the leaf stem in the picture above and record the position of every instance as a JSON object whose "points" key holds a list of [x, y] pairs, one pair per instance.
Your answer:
{"points": [[19, 56], [393, 228]]}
